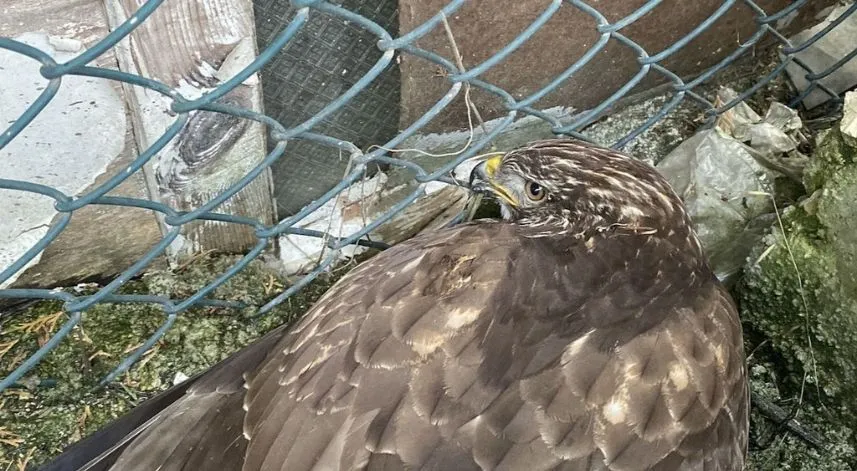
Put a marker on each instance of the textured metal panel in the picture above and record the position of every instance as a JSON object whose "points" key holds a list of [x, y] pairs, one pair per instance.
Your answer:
{"points": [[326, 58]]}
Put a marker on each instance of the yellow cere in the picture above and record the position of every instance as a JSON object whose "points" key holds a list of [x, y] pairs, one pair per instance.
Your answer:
{"points": [[492, 164]]}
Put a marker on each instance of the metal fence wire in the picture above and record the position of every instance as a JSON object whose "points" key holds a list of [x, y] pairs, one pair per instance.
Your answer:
{"points": [[66, 205]]}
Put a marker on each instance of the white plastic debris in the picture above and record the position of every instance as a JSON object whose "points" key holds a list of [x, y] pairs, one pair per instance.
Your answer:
{"points": [[180, 378], [715, 174], [725, 174], [772, 137], [339, 217]]}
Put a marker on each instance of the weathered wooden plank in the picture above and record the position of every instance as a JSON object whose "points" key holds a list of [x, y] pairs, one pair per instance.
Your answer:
{"points": [[429, 212], [194, 45], [360, 204], [82, 20], [100, 241]]}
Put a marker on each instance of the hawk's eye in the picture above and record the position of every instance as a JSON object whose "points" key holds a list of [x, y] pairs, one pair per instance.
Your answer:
{"points": [[535, 191]]}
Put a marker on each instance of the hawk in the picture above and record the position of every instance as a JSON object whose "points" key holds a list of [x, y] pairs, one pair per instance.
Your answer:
{"points": [[583, 331]]}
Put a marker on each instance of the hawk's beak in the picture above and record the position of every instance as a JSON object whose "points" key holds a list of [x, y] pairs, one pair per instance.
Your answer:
{"points": [[482, 180]]}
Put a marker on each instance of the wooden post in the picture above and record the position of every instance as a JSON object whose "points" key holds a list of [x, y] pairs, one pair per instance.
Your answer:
{"points": [[192, 46]]}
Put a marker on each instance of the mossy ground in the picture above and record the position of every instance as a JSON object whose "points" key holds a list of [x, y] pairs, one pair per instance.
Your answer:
{"points": [[37, 422]]}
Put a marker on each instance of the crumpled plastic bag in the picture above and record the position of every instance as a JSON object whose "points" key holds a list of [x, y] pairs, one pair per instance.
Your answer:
{"points": [[725, 177]]}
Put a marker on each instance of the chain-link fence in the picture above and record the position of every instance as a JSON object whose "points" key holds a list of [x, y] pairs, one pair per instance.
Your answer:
{"points": [[650, 63]]}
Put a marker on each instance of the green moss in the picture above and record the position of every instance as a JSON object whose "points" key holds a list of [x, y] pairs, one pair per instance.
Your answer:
{"points": [[46, 419], [804, 300], [822, 236], [833, 153]]}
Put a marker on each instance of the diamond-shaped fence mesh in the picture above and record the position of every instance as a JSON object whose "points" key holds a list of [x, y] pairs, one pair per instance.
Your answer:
{"points": [[282, 137]]}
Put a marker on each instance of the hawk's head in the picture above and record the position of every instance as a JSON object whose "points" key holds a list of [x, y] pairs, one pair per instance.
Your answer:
{"points": [[561, 186]]}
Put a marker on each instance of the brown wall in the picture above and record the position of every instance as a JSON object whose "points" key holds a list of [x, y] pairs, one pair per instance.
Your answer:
{"points": [[482, 27]]}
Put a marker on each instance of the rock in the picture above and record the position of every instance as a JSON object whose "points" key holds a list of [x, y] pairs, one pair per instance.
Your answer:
{"points": [[824, 54], [848, 125], [69, 144], [800, 284]]}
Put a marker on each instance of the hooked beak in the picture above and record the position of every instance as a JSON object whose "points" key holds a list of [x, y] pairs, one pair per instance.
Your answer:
{"points": [[482, 180]]}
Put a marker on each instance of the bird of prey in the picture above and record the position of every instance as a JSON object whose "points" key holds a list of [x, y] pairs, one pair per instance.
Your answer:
{"points": [[583, 331]]}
